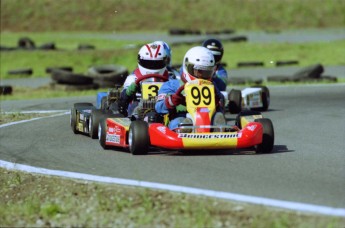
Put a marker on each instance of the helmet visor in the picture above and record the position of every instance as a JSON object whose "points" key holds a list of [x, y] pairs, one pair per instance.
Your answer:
{"points": [[152, 64], [202, 72]]}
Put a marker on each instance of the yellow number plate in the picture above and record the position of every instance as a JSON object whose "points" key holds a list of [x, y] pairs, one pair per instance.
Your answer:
{"points": [[150, 89]]}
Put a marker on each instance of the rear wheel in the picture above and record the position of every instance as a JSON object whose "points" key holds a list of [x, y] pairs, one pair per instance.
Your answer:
{"points": [[267, 136], [265, 97], [235, 101], [138, 138]]}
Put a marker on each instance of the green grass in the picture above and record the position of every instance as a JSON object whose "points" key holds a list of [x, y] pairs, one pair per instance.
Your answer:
{"points": [[148, 15], [37, 200], [115, 52]]}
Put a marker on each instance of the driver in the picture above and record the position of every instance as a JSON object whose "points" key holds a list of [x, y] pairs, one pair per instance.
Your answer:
{"points": [[198, 63], [152, 59]]}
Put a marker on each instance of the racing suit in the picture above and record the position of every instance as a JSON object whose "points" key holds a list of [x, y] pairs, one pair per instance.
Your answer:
{"points": [[127, 103], [177, 114]]}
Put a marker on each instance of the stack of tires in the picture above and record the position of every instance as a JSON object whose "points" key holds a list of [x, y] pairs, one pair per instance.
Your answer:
{"points": [[106, 76], [65, 79]]}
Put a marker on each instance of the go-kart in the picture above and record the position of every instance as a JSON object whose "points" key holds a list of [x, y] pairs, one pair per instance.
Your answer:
{"points": [[250, 130], [85, 117], [113, 131], [255, 98]]}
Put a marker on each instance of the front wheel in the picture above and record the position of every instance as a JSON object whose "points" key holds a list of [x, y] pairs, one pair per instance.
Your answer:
{"points": [[138, 138], [267, 143]]}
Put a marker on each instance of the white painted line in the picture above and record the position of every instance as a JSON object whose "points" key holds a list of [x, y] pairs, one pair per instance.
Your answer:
{"points": [[37, 111], [33, 119], [295, 206]]}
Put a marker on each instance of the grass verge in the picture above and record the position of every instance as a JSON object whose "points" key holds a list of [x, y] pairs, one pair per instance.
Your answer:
{"points": [[43, 201]]}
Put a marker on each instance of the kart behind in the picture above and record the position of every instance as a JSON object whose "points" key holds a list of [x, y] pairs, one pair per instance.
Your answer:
{"points": [[255, 98]]}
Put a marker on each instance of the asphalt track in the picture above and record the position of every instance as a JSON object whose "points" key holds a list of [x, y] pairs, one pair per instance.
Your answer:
{"points": [[306, 166]]}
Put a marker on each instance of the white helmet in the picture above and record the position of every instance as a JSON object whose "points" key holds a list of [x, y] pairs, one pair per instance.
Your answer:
{"points": [[198, 63], [152, 59], [167, 50]]}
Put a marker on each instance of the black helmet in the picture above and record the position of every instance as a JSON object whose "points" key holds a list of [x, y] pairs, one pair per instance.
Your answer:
{"points": [[216, 47]]}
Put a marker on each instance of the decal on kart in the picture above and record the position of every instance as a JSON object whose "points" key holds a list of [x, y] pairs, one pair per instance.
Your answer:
{"points": [[113, 138], [209, 136]]}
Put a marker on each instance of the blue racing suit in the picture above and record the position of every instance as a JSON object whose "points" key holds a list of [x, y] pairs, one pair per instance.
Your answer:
{"points": [[177, 114]]}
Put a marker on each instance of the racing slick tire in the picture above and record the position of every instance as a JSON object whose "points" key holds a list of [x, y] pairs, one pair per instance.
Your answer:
{"points": [[235, 101], [73, 116], [96, 116], [138, 138], [265, 96], [267, 136], [102, 129]]}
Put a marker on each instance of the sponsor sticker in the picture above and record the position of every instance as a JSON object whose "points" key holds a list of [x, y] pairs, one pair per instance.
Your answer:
{"points": [[251, 128], [113, 138], [162, 129], [213, 136]]}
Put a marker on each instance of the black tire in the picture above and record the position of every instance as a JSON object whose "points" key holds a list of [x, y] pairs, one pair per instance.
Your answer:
{"points": [[24, 71], [26, 43], [267, 138], [286, 62], [95, 118], [102, 129], [313, 71], [66, 77], [108, 75], [235, 101], [6, 90], [248, 64], [265, 96], [65, 68], [47, 46], [86, 47], [73, 120], [238, 39], [138, 138], [279, 78]]}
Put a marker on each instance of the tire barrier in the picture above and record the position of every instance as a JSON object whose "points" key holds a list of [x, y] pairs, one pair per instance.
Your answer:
{"points": [[250, 64], [67, 77], [24, 71], [286, 62], [65, 68], [107, 76], [86, 47], [26, 43], [311, 73], [6, 90]]}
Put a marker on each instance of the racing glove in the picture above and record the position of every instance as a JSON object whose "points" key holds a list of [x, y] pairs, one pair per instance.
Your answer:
{"points": [[173, 100], [131, 89]]}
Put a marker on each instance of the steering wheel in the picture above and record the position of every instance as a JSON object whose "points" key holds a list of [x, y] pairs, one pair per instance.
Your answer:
{"points": [[159, 76]]}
